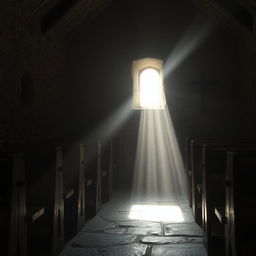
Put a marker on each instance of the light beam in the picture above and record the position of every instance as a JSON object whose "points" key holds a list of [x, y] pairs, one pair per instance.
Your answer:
{"points": [[159, 168], [197, 33]]}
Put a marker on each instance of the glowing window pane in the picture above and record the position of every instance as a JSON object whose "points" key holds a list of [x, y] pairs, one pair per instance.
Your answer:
{"points": [[150, 89], [169, 213]]}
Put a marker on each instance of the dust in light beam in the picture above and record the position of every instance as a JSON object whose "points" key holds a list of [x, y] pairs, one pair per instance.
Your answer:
{"points": [[159, 169]]}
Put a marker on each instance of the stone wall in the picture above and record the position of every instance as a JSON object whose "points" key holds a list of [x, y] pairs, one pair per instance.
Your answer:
{"points": [[31, 68], [248, 71]]}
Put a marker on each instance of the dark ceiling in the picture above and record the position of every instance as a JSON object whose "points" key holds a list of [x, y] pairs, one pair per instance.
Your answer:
{"points": [[69, 16]]}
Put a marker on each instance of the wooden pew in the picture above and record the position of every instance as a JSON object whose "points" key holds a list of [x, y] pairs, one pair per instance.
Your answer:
{"points": [[240, 207], [44, 168], [79, 179], [188, 167], [196, 165], [110, 171], [93, 176], [74, 189], [196, 174], [74, 184], [16, 216], [98, 179], [49, 167], [196, 179], [13, 205], [214, 164], [81, 196], [107, 170], [213, 194], [99, 171]]}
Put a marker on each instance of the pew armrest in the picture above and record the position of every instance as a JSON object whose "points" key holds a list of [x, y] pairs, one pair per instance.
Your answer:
{"points": [[220, 214], [68, 193], [35, 213]]}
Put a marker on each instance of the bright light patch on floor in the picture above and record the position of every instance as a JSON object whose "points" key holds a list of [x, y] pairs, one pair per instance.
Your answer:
{"points": [[150, 89], [156, 213]]}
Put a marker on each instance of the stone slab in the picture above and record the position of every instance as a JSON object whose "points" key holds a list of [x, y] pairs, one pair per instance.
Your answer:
{"points": [[163, 240], [183, 229], [113, 233], [170, 240], [97, 224], [144, 231], [125, 250], [99, 240], [179, 250], [138, 224], [118, 231]]}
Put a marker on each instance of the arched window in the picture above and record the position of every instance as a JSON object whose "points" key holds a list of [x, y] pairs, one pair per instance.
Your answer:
{"points": [[150, 88], [148, 92]]}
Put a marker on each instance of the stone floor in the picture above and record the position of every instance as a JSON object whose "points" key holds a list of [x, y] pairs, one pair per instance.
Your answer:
{"points": [[120, 229]]}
